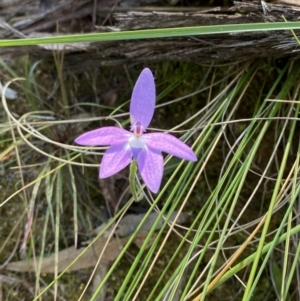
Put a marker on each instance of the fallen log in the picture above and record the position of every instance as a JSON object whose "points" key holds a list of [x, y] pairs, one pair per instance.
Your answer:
{"points": [[202, 49]]}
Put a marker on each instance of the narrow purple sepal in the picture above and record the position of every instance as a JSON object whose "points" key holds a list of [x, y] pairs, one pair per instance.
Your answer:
{"points": [[104, 136], [142, 103], [169, 144], [115, 159], [151, 167]]}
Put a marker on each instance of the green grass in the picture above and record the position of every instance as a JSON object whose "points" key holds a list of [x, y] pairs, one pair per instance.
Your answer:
{"points": [[154, 33], [241, 195]]}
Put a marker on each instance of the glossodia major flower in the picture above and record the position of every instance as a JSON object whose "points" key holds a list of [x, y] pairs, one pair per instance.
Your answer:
{"points": [[146, 149]]}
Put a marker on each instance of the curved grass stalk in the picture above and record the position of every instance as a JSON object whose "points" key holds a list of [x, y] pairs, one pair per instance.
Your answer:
{"points": [[250, 287], [230, 262]]}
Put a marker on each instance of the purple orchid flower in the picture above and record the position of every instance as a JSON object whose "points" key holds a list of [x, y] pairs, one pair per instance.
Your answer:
{"points": [[146, 149]]}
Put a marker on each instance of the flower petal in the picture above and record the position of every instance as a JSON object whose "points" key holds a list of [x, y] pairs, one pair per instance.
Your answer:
{"points": [[151, 167], [104, 136], [169, 144], [116, 158], [142, 103]]}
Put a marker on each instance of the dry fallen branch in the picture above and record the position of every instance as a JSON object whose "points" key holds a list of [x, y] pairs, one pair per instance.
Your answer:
{"points": [[126, 227], [204, 49]]}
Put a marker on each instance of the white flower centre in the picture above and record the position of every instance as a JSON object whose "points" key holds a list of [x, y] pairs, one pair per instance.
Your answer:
{"points": [[136, 142]]}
